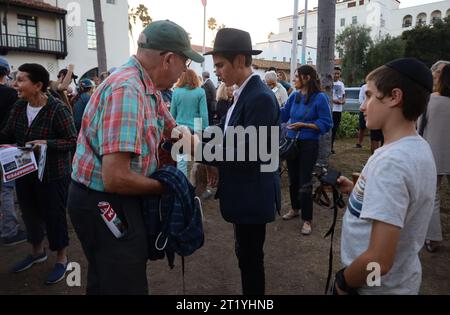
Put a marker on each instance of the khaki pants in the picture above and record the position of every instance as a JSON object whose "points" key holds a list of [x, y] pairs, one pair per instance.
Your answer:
{"points": [[434, 232]]}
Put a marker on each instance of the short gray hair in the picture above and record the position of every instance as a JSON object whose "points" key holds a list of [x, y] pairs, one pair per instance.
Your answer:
{"points": [[271, 76], [435, 66]]}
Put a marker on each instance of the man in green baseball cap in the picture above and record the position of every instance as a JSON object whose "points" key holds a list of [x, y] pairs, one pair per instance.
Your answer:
{"points": [[129, 119]]}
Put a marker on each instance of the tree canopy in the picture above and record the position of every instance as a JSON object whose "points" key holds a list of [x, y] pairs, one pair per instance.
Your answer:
{"points": [[428, 43], [353, 43], [386, 49]]}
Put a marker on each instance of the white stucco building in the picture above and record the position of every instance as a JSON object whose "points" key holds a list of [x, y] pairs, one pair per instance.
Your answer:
{"points": [[383, 16], [55, 33]]}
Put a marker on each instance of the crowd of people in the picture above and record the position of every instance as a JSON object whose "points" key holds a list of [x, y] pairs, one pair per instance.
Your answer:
{"points": [[104, 142]]}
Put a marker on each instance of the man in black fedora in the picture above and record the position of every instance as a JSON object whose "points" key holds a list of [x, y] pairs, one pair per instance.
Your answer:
{"points": [[248, 196]]}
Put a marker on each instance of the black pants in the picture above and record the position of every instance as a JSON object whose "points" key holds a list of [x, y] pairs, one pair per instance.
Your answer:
{"points": [[43, 208], [336, 122], [249, 247], [115, 266], [300, 177]]}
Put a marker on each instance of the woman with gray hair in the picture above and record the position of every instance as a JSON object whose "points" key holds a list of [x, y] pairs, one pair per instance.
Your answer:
{"points": [[433, 128], [280, 92], [436, 69]]}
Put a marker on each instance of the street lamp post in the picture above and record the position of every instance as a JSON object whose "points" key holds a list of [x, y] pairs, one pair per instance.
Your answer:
{"points": [[204, 32], [304, 34], [294, 41]]}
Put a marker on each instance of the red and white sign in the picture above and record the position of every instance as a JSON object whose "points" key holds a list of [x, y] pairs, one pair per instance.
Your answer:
{"points": [[16, 163]]}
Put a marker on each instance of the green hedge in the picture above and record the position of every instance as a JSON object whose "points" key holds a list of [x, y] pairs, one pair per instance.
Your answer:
{"points": [[349, 125]]}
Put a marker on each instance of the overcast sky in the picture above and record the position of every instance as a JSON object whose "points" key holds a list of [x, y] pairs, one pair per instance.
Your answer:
{"points": [[259, 17]]}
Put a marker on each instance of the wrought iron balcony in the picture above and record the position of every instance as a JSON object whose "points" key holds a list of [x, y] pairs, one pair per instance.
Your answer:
{"points": [[9, 42]]}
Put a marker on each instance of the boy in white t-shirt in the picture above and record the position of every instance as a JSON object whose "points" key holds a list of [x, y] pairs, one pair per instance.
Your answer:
{"points": [[389, 208], [338, 103]]}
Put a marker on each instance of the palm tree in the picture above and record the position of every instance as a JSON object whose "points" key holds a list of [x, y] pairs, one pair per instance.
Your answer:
{"points": [[100, 34], [212, 24], [326, 16], [141, 13]]}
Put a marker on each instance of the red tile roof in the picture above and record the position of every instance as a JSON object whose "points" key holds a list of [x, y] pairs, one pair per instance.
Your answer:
{"points": [[266, 64], [34, 4]]}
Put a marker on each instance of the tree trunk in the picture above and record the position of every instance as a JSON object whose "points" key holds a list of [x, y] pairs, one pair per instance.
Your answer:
{"points": [[100, 34], [326, 17]]}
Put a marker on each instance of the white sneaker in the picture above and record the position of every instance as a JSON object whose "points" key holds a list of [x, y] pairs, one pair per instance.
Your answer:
{"points": [[306, 228]]}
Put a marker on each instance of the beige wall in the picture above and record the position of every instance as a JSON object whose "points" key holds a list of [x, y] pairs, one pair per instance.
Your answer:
{"points": [[47, 26], [115, 17]]}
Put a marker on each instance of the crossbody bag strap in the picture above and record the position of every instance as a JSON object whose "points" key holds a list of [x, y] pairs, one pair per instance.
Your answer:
{"points": [[308, 109]]}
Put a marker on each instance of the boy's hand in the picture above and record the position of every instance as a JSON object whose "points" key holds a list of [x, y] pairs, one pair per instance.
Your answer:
{"points": [[345, 185], [213, 176]]}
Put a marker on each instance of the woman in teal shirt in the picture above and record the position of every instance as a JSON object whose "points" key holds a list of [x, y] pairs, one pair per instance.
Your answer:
{"points": [[189, 102]]}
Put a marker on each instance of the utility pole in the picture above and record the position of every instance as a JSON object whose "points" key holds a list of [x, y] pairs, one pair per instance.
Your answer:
{"points": [[304, 32], [204, 31], [326, 17], [294, 41]]}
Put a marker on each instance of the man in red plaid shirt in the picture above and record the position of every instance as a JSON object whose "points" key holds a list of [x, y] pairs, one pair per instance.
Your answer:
{"points": [[117, 150]]}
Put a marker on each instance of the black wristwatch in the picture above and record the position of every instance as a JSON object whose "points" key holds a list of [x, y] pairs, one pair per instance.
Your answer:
{"points": [[342, 284]]}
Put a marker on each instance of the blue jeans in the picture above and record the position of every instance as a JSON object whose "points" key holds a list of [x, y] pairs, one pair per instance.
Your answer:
{"points": [[9, 224]]}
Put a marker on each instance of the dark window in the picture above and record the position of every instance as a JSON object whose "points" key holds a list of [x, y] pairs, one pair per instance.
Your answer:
{"points": [[407, 21], [361, 2], [300, 35], [91, 35], [342, 22], [27, 27], [354, 20], [435, 19], [351, 4]]}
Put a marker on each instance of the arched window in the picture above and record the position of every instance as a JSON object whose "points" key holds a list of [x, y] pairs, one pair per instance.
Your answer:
{"points": [[448, 14], [407, 21], [435, 16], [421, 19]]}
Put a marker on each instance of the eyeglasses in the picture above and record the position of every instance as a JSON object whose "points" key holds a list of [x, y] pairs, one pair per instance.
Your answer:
{"points": [[187, 60]]}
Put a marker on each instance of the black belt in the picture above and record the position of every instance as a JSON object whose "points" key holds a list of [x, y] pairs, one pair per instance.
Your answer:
{"points": [[83, 187]]}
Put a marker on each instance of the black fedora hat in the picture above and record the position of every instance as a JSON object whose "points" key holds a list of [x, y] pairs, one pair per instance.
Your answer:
{"points": [[232, 40]]}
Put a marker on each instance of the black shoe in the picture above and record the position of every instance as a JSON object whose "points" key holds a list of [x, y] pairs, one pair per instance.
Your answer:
{"points": [[20, 237], [358, 146], [332, 152]]}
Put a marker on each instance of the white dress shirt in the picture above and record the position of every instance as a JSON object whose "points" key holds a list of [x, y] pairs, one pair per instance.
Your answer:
{"points": [[236, 95]]}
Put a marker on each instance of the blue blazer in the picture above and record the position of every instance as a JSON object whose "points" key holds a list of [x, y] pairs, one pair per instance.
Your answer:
{"points": [[247, 195]]}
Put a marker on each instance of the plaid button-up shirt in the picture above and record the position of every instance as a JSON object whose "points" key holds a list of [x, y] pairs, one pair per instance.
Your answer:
{"points": [[53, 123], [125, 114]]}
